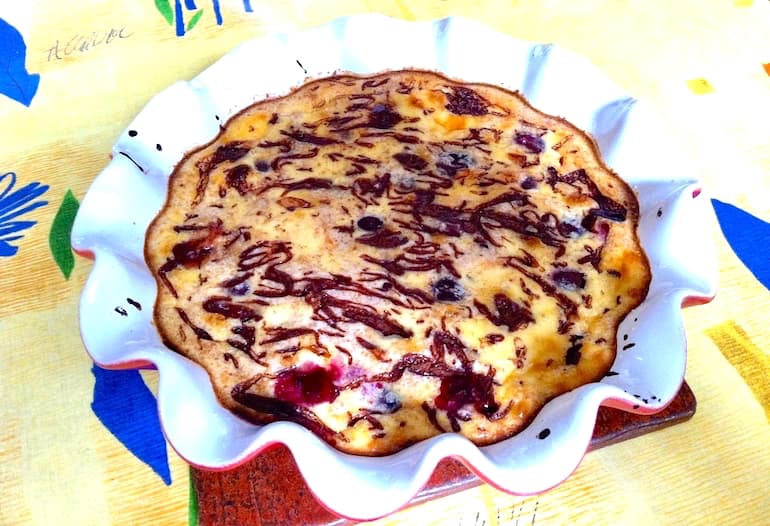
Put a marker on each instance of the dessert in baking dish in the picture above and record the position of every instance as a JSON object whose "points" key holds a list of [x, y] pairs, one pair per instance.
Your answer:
{"points": [[385, 258]]}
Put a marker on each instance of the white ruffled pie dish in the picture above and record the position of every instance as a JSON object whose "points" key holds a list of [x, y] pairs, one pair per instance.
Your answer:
{"points": [[125, 197]]}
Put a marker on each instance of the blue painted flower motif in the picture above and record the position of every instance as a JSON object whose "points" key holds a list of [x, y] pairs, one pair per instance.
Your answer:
{"points": [[14, 204]]}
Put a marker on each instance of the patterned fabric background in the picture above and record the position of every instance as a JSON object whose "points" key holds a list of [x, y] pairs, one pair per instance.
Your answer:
{"points": [[72, 76]]}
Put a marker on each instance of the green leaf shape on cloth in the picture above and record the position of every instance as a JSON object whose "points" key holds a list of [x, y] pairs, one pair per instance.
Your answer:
{"points": [[193, 503], [194, 20], [164, 7], [59, 238]]}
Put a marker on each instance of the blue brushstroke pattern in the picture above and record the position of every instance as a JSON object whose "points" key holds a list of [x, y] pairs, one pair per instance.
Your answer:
{"points": [[15, 81], [14, 204], [128, 409], [190, 5], [749, 237], [179, 18], [217, 11]]}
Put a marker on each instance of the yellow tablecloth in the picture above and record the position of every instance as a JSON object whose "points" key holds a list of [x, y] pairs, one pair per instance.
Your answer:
{"points": [[704, 66]]}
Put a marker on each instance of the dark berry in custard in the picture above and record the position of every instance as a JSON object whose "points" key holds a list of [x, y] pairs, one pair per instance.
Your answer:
{"points": [[448, 290], [388, 402], [569, 279], [528, 183], [451, 162], [530, 142], [370, 223]]}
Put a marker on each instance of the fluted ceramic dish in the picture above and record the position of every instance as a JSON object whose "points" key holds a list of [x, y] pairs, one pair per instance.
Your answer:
{"points": [[125, 197]]}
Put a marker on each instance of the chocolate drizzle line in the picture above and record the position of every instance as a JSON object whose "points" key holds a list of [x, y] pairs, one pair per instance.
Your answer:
{"points": [[200, 333], [227, 152], [283, 410], [568, 306], [509, 313]]}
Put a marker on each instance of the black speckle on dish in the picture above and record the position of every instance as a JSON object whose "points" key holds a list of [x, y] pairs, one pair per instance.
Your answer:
{"points": [[542, 435], [625, 337], [611, 373], [159, 147], [636, 319], [660, 212], [124, 154], [216, 117], [645, 400], [134, 303], [628, 346], [121, 311], [133, 133]]}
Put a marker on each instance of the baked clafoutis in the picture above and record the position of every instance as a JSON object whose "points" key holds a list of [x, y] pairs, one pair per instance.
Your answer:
{"points": [[382, 259]]}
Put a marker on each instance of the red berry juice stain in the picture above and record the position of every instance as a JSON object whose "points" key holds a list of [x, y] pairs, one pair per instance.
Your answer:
{"points": [[462, 389], [307, 385]]}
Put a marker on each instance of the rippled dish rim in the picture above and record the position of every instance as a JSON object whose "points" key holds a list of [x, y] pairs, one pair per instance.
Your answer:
{"points": [[127, 194]]}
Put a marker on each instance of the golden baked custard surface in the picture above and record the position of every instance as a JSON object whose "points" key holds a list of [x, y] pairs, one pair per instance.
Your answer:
{"points": [[383, 259]]}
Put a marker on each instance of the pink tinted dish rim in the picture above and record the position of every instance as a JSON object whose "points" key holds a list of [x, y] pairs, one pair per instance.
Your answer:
{"points": [[127, 194]]}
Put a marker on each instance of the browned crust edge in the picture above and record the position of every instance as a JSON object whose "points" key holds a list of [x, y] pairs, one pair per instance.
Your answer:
{"points": [[625, 189]]}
